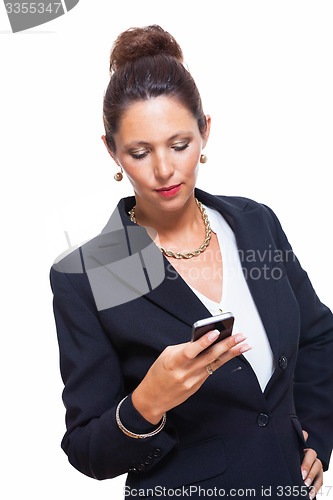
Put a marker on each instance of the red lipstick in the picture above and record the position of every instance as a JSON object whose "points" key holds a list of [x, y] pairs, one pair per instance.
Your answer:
{"points": [[170, 190]]}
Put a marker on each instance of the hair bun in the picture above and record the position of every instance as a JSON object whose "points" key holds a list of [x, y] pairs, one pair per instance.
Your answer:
{"points": [[135, 43]]}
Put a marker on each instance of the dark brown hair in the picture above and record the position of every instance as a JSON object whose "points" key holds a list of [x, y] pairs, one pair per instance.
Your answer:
{"points": [[146, 63]]}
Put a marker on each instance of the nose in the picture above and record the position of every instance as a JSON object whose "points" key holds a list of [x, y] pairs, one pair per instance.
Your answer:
{"points": [[163, 167]]}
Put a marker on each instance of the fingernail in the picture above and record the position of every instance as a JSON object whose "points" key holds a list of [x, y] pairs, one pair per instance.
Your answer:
{"points": [[213, 335], [239, 338], [245, 348], [304, 474], [308, 482], [312, 494]]}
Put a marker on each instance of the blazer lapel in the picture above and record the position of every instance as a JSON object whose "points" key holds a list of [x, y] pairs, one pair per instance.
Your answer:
{"points": [[176, 297], [255, 251], [254, 245]]}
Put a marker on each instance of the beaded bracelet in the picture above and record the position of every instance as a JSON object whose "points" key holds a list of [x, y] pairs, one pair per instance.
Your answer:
{"points": [[132, 434]]}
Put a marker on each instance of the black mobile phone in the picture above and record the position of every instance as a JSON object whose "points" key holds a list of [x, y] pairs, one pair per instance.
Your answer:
{"points": [[222, 322]]}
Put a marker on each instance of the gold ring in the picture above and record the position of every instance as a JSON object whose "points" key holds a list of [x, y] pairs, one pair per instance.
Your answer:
{"points": [[209, 369]]}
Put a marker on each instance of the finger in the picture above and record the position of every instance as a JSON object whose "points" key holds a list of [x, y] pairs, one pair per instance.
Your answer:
{"points": [[192, 349], [227, 356], [309, 458], [317, 483], [313, 492], [232, 343], [311, 466], [306, 435], [314, 473], [315, 488], [206, 353], [208, 362], [226, 349]]}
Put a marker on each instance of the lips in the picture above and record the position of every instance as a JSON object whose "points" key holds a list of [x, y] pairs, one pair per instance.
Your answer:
{"points": [[169, 190]]}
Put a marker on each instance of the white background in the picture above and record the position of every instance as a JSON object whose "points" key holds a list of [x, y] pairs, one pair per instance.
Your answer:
{"points": [[264, 69]]}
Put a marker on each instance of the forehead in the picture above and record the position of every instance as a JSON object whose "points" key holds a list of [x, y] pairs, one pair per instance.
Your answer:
{"points": [[156, 119]]}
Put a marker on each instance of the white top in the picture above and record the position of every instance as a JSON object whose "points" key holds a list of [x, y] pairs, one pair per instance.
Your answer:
{"points": [[237, 299]]}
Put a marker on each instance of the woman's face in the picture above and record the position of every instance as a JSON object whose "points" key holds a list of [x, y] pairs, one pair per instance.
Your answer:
{"points": [[159, 146]]}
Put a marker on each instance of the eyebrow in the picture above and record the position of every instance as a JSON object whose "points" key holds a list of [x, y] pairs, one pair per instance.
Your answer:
{"points": [[187, 134]]}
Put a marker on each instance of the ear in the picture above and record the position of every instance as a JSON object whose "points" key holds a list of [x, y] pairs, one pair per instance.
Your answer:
{"points": [[113, 156], [206, 134]]}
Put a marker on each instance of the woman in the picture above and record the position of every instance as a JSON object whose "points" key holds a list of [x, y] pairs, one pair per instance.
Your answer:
{"points": [[139, 394]]}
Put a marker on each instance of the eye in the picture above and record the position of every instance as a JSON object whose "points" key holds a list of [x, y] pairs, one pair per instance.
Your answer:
{"points": [[180, 148], [139, 156]]}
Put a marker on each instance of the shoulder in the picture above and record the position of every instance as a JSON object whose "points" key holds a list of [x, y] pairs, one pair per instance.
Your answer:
{"points": [[240, 202], [245, 214], [237, 202], [79, 258], [108, 261], [248, 205], [234, 205]]}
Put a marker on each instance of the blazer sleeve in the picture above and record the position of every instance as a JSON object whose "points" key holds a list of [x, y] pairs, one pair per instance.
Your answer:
{"points": [[94, 386], [313, 381]]}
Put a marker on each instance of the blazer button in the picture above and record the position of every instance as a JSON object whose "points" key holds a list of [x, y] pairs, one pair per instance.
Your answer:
{"points": [[262, 420], [148, 460], [141, 467], [133, 469], [157, 452], [283, 362]]}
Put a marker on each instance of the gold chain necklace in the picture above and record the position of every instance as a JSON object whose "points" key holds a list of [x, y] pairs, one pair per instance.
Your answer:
{"points": [[186, 255]]}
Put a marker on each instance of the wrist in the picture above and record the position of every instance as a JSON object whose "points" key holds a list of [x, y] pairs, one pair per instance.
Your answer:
{"points": [[144, 406], [129, 432]]}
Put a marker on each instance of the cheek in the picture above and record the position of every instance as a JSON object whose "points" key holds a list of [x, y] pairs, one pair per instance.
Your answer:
{"points": [[196, 150], [191, 162]]}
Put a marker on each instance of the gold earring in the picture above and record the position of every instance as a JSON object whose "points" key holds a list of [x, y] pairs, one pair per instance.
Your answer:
{"points": [[203, 159], [119, 175]]}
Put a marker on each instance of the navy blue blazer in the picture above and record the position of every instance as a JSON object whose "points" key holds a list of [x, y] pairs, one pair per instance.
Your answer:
{"points": [[227, 435]]}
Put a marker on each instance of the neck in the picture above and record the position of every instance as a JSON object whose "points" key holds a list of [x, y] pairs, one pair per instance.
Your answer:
{"points": [[168, 222]]}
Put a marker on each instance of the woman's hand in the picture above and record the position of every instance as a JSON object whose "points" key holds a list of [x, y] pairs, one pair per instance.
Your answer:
{"points": [[179, 372], [312, 470]]}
